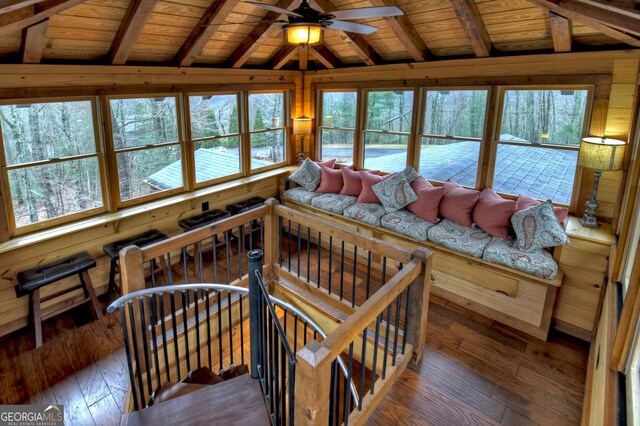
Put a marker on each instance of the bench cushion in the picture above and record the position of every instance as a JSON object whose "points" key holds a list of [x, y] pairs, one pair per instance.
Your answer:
{"points": [[468, 240], [300, 195], [35, 278], [370, 213], [113, 249], [536, 262], [406, 223], [334, 203]]}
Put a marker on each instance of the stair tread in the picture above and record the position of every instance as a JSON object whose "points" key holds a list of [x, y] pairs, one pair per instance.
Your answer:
{"points": [[237, 401]]}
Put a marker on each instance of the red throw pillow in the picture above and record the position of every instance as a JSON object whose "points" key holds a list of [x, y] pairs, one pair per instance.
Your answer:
{"points": [[328, 163], [493, 213], [331, 180], [525, 202], [368, 180], [429, 198], [352, 181], [458, 203]]}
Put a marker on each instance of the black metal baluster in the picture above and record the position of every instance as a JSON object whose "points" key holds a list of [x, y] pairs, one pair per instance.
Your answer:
{"points": [[347, 387], [170, 271], [330, 260], [185, 270], [332, 391], [363, 361], [251, 234], [185, 305], [208, 310], [292, 388], [227, 246], [275, 375], [219, 295], [240, 241], [308, 253], [305, 333], [289, 245], [295, 332], [375, 352], [133, 324], [281, 241], [163, 326], [283, 381], [197, 314], [298, 250], [397, 327], [127, 348], [355, 272], [175, 332], [342, 272], [214, 254], [229, 316], [386, 342], [406, 315], [368, 287], [152, 271], [200, 266], [154, 337], [241, 332], [319, 253], [384, 271]]}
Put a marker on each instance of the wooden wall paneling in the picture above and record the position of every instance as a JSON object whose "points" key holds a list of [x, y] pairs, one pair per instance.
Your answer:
{"points": [[471, 20], [130, 28], [33, 42]]}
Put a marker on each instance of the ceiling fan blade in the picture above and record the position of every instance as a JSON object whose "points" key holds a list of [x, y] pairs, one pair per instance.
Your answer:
{"points": [[274, 9], [351, 27], [366, 12]]}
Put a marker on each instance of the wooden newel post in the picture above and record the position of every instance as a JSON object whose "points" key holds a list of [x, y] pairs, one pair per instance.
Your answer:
{"points": [[131, 270], [271, 235], [419, 307], [313, 384]]}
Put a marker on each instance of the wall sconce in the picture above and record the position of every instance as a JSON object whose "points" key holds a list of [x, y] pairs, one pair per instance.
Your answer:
{"points": [[302, 126], [601, 155]]}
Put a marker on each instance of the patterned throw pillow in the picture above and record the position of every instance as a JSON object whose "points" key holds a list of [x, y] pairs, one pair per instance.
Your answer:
{"points": [[537, 227], [308, 175], [396, 192]]}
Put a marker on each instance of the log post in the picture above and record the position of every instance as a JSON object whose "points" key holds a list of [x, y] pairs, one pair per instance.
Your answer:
{"points": [[419, 307], [271, 236], [313, 384]]}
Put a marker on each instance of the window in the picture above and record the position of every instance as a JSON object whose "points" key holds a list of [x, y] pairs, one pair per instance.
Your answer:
{"points": [[337, 125], [53, 166], [147, 145], [452, 129], [538, 142], [387, 129], [215, 133], [267, 129]]}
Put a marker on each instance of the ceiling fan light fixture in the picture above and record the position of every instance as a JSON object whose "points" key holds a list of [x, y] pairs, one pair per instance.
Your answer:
{"points": [[303, 33]]}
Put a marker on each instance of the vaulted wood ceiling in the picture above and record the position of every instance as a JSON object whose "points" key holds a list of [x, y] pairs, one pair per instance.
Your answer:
{"points": [[234, 34]]}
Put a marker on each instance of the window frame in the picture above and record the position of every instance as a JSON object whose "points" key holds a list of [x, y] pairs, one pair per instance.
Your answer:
{"points": [[320, 126], [495, 141], [112, 152], [99, 154], [285, 128]]}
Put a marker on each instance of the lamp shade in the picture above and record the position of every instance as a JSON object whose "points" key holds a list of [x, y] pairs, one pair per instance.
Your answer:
{"points": [[302, 126], [603, 154], [303, 33]]}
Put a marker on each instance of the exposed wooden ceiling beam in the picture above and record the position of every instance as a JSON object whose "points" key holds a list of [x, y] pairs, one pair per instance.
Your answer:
{"points": [[11, 5], [472, 23], [131, 26], [355, 41], [561, 32], [33, 42], [325, 56], [616, 18], [283, 56], [604, 22], [404, 30], [258, 35], [303, 56], [31, 14], [204, 30]]}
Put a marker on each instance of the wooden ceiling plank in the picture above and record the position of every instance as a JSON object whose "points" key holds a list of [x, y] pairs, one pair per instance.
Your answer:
{"points": [[258, 35], [204, 30], [406, 33], [31, 14], [11, 5], [324, 55], [303, 56], [283, 56], [130, 28], [471, 21], [356, 42], [595, 23], [560, 32], [33, 42]]}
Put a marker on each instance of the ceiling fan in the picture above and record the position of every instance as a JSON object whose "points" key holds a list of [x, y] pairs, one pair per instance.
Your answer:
{"points": [[304, 24]]}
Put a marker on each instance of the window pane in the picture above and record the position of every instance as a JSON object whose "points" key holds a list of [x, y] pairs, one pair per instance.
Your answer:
{"points": [[267, 148], [36, 132], [217, 158], [455, 113], [542, 173], [266, 111], [543, 116], [52, 190], [442, 159], [390, 110], [148, 171], [215, 115], [386, 152], [337, 144], [339, 109], [143, 121]]}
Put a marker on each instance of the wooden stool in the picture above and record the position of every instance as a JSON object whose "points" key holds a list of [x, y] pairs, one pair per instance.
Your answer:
{"points": [[113, 251], [197, 221], [33, 279], [245, 206]]}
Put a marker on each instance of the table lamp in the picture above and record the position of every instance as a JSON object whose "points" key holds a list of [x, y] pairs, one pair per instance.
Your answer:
{"points": [[301, 127], [601, 155]]}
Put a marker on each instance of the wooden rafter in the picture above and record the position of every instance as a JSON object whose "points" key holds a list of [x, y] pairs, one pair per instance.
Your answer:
{"points": [[324, 55], [616, 18], [11, 5], [260, 33], [471, 20], [204, 30], [560, 28], [303, 56], [31, 14], [33, 42], [356, 42], [282, 56], [130, 28], [406, 33], [604, 21]]}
